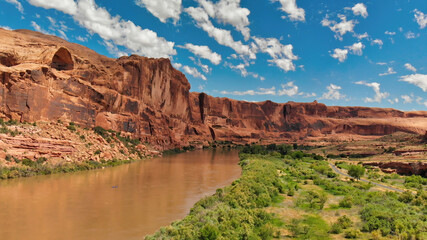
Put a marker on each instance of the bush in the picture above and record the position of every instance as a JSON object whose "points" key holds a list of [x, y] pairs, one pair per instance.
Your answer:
{"points": [[335, 229], [344, 222], [311, 199], [356, 171], [209, 232], [346, 202], [352, 233]]}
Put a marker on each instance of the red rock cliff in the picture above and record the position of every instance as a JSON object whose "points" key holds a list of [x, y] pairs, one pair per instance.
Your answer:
{"points": [[45, 78]]}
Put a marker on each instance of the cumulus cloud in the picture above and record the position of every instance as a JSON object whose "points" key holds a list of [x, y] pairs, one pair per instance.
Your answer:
{"points": [[177, 65], [341, 28], [333, 93], [193, 72], [243, 71], [65, 6], [222, 36], [163, 9], [98, 20], [229, 12], [407, 98], [288, 89], [379, 96], [378, 42], [17, 4], [361, 36], [390, 33], [390, 71], [357, 48], [340, 54], [282, 55], [294, 12], [360, 10], [204, 52], [421, 18], [419, 80], [410, 67]]}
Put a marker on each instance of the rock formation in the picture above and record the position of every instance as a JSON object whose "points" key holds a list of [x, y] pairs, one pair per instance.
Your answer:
{"points": [[45, 78]]}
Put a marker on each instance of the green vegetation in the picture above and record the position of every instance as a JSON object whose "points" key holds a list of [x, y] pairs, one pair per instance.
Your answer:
{"points": [[284, 178], [30, 168], [356, 171], [235, 212]]}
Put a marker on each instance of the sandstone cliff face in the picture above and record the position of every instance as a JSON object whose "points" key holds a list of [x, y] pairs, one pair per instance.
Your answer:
{"points": [[45, 78]]}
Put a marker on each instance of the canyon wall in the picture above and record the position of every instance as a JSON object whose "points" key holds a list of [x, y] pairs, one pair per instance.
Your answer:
{"points": [[45, 78]]}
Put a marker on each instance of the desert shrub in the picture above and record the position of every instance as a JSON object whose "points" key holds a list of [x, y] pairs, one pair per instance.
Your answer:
{"points": [[406, 197], [356, 171], [346, 202], [344, 222], [311, 200], [352, 233], [310, 227]]}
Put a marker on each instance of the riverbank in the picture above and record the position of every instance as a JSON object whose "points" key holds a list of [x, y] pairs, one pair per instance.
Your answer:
{"points": [[295, 195], [43, 148]]}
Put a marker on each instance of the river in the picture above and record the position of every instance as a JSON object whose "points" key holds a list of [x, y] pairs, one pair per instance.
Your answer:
{"points": [[124, 202]]}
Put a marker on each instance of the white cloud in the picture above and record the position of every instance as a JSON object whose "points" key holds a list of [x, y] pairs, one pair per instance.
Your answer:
{"points": [[6, 27], [243, 71], [163, 9], [419, 80], [421, 18], [81, 39], [378, 42], [340, 54], [360, 10], [38, 28], [222, 36], [177, 65], [112, 29], [393, 101], [229, 12], [379, 96], [65, 6], [390, 33], [282, 55], [410, 67], [390, 71], [333, 93], [194, 72], [411, 35], [260, 91], [407, 99], [290, 7], [17, 4], [362, 36], [357, 48], [288, 89], [204, 52], [341, 28]]}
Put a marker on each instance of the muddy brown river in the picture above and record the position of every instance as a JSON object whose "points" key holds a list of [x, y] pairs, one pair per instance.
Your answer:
{"points": [[124, 202]]}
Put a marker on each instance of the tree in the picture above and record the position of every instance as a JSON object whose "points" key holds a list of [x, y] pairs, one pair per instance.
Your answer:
{"points": [[356, 171]]}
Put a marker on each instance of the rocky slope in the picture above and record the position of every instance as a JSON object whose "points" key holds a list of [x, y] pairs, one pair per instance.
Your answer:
{"points": [[45, 78]]}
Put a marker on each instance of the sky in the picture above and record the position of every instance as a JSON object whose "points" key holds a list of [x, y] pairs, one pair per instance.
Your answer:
{"points": [[347, 53]]}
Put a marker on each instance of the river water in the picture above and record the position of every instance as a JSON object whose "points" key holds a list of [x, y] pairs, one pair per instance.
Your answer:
{"points": [[124, 202]]}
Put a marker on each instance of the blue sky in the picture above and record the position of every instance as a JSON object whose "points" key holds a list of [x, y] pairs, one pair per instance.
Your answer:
{"points": [[349, 53]]}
